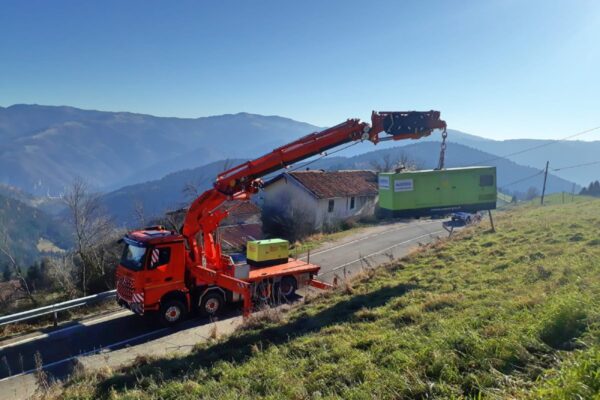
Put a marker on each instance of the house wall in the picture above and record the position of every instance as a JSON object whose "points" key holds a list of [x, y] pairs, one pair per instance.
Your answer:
{"points": [[363, 207], [290, 194], [285, 195]]}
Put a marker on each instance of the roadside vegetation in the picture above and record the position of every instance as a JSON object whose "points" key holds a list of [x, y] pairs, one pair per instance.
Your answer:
{"points": [[511, 314]]}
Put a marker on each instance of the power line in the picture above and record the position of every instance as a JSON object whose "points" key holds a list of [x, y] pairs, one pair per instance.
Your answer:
{"points": [[576, 166], [538, 146], [523, 179], [554, 169], [323, 156]]}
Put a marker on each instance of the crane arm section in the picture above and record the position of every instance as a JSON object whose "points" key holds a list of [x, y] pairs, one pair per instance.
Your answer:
{"points": [[240, 182]]}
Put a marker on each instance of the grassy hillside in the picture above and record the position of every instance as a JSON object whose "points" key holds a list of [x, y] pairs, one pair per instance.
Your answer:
{"points": [[494, 315]]}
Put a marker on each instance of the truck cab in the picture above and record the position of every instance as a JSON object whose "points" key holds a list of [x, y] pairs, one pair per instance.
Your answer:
{"points": [[152, 271]]}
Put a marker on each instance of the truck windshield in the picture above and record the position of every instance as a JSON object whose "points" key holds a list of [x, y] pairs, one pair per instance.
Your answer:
{"points": [[133, 257]]}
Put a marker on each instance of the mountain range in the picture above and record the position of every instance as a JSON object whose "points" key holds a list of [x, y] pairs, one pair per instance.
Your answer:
{"points": [[44, 148]]}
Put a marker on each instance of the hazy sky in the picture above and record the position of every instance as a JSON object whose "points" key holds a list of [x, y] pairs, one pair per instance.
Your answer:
{"points": [[496, 68]]}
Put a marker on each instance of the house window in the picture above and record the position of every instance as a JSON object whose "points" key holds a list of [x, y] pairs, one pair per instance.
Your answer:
{"points": [[486, 180], [352, 203], [330, 206]]}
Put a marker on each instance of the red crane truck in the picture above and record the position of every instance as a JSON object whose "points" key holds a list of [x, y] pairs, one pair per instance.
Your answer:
{"points": [[174, 273]]}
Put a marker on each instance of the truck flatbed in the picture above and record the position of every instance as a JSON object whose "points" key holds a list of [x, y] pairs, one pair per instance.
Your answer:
{"points": [[293, 266]]}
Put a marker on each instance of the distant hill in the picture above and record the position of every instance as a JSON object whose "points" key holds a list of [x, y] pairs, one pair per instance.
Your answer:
{"points": [[44, 148], [153, 198], [559, 153], [31, 232], [158, 196], [49, 205]]}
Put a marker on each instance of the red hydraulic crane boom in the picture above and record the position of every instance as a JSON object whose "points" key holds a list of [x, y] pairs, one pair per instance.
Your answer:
{"points": [[240, 182]]}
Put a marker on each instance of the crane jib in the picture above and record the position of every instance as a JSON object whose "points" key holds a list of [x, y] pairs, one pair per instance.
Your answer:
{"points": [[400, 124]]}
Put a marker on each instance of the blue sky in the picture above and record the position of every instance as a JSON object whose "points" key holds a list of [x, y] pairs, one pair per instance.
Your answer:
{"points": [[500, 69]]}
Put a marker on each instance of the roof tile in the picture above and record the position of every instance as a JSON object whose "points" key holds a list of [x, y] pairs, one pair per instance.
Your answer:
{"points": [[326, 184]]}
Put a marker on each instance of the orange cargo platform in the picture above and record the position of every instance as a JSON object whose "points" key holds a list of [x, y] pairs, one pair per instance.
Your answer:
{"points": [[293, 266]]}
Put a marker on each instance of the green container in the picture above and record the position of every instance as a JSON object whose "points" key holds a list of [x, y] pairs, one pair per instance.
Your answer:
{"points": [[437, 192]]}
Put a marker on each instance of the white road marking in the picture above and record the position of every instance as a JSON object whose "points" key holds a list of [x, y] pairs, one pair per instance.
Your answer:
{"points": [[368, 237], [379, 252]]}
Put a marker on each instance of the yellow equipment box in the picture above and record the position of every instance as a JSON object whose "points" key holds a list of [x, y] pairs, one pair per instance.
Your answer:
{"points": [[267, 252]]}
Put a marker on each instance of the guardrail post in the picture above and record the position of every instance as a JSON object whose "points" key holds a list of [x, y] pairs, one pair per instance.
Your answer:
{"points": [[55, 318]]}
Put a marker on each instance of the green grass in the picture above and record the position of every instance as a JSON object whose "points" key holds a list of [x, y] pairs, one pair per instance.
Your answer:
{"points": [[512, 314]]}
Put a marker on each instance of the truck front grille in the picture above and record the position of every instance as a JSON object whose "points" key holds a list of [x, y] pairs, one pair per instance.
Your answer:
{"points": [[125, 288]]}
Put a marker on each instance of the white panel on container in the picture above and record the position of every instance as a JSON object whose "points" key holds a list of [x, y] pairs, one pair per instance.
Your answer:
{"points": [[403, 185], [384, 182]]}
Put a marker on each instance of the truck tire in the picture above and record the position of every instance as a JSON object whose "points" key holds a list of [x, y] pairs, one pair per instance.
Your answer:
{"points": [[288, 286], [172, 312], [211, 304]]}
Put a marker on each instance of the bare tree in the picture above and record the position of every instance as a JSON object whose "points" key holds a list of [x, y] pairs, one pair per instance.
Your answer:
{"points": [[532, 193], [61, 272], [91, 227], [284, 219], [140, 215], [14, 266], [392, 162], [192, 189], [385, 164], [407, 163]]}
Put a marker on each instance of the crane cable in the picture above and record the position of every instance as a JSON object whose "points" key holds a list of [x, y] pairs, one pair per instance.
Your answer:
{"points": [[443, 149], [323, 155]]}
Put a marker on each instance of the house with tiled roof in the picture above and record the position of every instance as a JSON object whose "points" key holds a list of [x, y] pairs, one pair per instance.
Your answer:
{"points": [[326, 197]]}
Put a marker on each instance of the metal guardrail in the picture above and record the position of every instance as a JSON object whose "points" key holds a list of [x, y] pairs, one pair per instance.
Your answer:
{"points": [[55, 308]]}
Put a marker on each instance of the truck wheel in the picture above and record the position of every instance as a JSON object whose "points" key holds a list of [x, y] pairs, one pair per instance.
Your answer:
{"points": [[288, 286], [172, 312], [212, 303]]}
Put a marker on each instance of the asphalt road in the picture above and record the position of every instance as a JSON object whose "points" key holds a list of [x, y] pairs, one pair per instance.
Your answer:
{"points": [[59, 350]]}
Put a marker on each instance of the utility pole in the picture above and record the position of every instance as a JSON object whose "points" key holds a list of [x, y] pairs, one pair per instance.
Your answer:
{"points": [[545, 178]]}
